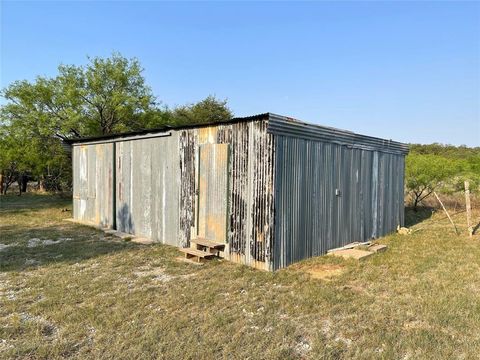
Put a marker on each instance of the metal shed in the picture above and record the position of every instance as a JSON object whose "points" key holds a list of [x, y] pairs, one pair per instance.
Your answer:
{"points": [[273, 189]]}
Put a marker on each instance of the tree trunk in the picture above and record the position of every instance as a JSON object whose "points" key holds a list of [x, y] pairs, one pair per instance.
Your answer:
{"points": [[24, 183], [1, 183], [41, 184], [415, 204], [19, 182], [8, 180]]}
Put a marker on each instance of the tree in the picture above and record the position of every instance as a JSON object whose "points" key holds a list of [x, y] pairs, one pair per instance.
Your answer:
{"points": [[103, 97], [424, 173], [112, 94], [106, 96], [465, 160], [26, 154], [206, 111], [15, 161]]}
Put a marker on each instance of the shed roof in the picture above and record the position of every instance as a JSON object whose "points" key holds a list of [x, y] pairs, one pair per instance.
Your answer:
{"points": [[279, 125], [119, 136]]}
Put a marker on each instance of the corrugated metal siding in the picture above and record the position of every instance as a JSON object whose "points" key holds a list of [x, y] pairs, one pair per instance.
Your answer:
{"points": [[261, 186], [281, 197], [281, 125], [157, 186], [93, 184], [213, 192], [148, 178], [311, 218], [250, 184]]}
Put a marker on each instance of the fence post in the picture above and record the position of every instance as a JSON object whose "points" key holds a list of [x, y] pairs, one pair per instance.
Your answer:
{"points": [[469, 209]]}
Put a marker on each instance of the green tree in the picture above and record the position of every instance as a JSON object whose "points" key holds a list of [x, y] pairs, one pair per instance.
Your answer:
{"points": [[425, 173], [103, 97], [466, 161], [206, 111]]}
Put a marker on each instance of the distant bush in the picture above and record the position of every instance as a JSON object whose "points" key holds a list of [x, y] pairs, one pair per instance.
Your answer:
{"points": [[441, 168]]}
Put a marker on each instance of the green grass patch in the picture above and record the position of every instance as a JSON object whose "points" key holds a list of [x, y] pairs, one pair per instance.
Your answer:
{"points": [[69, 291]]}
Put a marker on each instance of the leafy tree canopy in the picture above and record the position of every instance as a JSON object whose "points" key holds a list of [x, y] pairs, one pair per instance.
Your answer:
{"points": [[107, 95], [443, 168], [205, 111]]}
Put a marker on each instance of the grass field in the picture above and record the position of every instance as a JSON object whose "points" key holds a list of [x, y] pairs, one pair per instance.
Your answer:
{"points": [[68, 291]]}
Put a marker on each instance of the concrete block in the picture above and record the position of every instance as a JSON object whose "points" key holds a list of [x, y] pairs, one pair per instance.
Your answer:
{"points": [[141, 240], [352, 254], [377, 248]]}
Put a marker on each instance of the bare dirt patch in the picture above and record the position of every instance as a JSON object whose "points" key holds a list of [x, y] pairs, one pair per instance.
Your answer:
{"points": [[37, 242], [5, 246], [155, 273], [323, 271]]}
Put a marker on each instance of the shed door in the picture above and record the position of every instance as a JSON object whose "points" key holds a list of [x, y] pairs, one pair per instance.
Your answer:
{"points": [[213, 192]]}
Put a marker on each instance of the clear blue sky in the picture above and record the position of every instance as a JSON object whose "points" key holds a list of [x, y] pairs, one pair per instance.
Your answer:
{"points": [[407, 71]]}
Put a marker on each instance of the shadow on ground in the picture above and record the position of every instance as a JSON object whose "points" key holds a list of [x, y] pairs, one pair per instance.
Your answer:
{"points": [[31, 201], [35, 247], [413, 217]]}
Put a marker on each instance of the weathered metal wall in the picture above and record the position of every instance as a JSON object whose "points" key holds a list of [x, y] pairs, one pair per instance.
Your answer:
{"points": [[328, 195], [295, 190], [148, 179], [93, 184], [157, 187], [250, 184], [213, 192]]}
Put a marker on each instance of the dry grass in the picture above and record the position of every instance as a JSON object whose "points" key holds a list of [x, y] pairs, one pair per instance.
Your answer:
{"points": [[92, 296]]}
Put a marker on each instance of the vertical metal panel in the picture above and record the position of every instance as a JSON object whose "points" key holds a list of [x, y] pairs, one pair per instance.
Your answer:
{"points": [[188, 202], [148, 188], [239, 189], [123, 187], [103, 192], [292, 193], [328, 195], [155, 185], [93, 184], [213, 191], [80, 182], [260, 176], [250, 199]]}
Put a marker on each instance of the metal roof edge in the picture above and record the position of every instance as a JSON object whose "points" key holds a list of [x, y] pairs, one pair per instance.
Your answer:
{"points": [[283, 125], [130, 134], [277, 124]]}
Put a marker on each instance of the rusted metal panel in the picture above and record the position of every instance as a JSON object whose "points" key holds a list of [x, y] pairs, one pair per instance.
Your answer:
{"points": [[213, 192], [239, 175], [188, 186], [250, 194], [207, 135], [156, 187], [260, 222]]}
